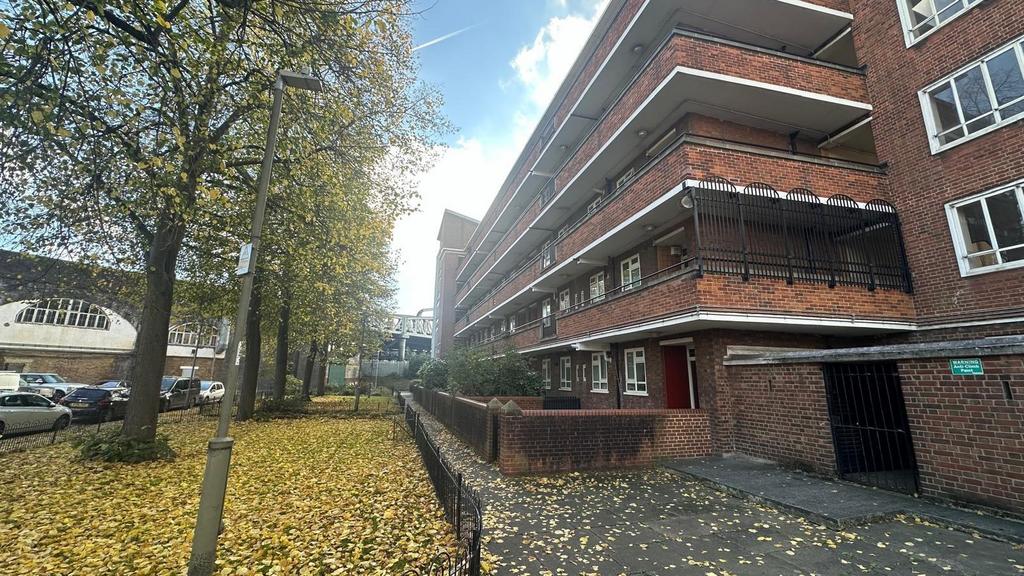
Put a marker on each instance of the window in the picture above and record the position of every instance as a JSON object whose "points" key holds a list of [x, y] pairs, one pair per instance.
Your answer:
{"points": [[988, 230], [64, 312], [566, 381], [512, 323], [624, 178], [631, 272], [921, 17], [189, 335], [636, 372], [581, 375], [563, 300], [976, 100], [545, 312], [547, 255], [545, 372], [597, 286], [599, 372]]}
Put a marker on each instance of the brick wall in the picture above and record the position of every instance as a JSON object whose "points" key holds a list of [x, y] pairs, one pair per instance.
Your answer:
{"points": [[78, 368], [780, 413], [922, 183], [544, 442], [968, 437]]}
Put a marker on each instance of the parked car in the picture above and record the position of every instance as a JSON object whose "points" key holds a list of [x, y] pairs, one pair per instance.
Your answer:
{"points": [[177, 392], [47, 384], [10, 381], [210, 391], [25, 412], [112, 384], [94, 403]]}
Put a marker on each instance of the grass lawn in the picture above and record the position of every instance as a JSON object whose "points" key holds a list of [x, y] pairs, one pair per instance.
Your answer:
{"points": [[306, 496]]}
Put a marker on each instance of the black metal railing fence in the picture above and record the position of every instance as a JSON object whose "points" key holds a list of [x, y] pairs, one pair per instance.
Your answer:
{"points": [[797, 238], [462, 506]]}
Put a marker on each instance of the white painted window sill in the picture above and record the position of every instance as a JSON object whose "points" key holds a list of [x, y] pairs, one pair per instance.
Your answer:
{"points": [[627, 393], [596, 391]]}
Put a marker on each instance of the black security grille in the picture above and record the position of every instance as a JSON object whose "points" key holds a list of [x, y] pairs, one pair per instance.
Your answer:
{"points": [[797, 238], [870, 429], [562, 403]]}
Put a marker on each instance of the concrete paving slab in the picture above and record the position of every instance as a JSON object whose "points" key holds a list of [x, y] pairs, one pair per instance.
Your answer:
{"points": [[835, 504]]}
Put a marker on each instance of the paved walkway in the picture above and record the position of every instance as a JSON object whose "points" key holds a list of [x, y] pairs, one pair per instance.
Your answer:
{"points": [[836, 504], [655, 522]]}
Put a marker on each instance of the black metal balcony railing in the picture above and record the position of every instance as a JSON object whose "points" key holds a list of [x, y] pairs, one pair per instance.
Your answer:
{"points": [[798, 238]]}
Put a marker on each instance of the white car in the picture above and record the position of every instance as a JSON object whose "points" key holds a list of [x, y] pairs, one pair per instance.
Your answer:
{"points": [[48, 384], [25, 412], [210, 391]]}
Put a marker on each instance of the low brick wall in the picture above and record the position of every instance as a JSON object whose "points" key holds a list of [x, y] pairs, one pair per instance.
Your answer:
{"points": [[541, 442], [466, 418]]}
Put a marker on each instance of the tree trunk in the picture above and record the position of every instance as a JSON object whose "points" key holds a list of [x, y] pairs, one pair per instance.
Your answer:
{"points": [[307, 376], [253, 354], [281, 354], [321, 374], [151, 340]]}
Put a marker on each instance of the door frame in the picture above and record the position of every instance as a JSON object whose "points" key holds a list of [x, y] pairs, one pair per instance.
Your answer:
{"points": [[686, 344]]}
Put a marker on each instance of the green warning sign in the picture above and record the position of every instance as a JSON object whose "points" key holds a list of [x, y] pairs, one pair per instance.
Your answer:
{"points": [[966, 367]]}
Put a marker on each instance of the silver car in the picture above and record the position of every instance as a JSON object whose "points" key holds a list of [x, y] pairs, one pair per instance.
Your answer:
{"points": [[48, 384], [25, 412]]}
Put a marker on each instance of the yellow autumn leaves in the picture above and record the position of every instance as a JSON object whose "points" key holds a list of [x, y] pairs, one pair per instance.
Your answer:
{"points": [[311, 496]]}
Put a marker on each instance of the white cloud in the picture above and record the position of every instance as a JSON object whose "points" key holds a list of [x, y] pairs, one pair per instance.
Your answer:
{"points": [[467, 176], [542, 65]]}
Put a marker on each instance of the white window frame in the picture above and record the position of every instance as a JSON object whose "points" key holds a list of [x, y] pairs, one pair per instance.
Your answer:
{"points": [[906, 21], [599, 372], [512, 323], [545, 313], [564, 302], [547, 255], [627, 266], [598, 281], [565, 373], [930, 120], [958, 237], [64, 312], [635, 387], [545, 372]]}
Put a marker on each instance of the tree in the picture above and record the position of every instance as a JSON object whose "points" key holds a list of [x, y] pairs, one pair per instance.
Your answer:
{"points": [[130, 129]]}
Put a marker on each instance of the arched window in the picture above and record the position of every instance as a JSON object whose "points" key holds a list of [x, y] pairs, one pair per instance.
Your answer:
{"points": [[193, 334], [65, 312]]}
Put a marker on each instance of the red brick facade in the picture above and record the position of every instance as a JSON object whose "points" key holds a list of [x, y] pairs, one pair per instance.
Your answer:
{"points": [[966, 431]]}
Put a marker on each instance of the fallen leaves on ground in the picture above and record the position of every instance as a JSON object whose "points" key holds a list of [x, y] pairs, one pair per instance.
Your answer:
{"points": [[308, 496], [654, 522]]}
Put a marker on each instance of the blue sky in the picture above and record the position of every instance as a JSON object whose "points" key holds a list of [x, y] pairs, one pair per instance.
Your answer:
{"points": [[497, 74]]}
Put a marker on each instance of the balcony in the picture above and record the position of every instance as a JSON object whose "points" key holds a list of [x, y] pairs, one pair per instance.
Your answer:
{"points": [[691, 73], [751, 255], [793, 26], [616, 223]]}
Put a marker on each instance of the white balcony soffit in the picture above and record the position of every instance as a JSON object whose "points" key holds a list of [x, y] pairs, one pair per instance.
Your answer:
{"points": [[791, 25], [684, 90], [697, 321]]}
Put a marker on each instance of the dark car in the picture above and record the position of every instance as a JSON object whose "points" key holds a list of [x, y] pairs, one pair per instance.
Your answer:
{"points": [[112, 384], [177, 392], [94, 404]]}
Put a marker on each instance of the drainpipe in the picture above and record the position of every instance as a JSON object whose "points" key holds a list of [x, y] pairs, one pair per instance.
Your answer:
{"points": [[618, 375]]}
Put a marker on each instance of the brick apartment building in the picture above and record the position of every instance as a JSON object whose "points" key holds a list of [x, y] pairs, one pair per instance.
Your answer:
{"points": [[805, 218]]}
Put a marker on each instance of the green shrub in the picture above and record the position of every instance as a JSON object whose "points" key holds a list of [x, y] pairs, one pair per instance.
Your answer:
{"points": [[289, 407], [292, 386], [110, 446], [434, 374], [476, 374]]}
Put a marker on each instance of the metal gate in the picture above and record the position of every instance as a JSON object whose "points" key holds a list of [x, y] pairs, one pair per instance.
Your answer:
{"points": [[870, 430]]}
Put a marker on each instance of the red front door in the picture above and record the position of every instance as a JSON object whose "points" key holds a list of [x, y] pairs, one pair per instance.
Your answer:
{"points": [[677, 377]]}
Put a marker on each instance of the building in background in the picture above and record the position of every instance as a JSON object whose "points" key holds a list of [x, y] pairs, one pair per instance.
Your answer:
{"points": [[81, 322], [804, 218]]}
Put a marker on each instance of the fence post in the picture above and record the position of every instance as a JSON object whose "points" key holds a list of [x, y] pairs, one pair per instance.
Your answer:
{"points": [[458, 506]]}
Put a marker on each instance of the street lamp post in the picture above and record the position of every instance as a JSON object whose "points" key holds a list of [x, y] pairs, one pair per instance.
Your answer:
{"points": [[218, 452]]}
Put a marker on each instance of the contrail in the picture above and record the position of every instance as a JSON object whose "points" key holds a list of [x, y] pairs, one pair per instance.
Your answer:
{"points": [[443, 38]]}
